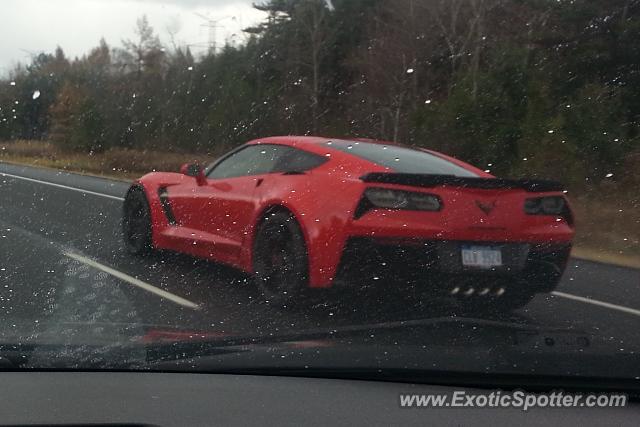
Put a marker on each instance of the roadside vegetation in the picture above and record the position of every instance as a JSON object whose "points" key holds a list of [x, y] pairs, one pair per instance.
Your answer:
{"points": [[121, 163], [535, 88]]}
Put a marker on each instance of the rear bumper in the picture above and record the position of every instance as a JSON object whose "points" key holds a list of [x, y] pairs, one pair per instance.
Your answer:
{"points": [[437, 266]]}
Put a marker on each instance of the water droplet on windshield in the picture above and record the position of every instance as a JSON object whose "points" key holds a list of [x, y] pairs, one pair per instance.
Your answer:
{"points": [[36, 94], [410, 71], [609, 175], [12, 83]]}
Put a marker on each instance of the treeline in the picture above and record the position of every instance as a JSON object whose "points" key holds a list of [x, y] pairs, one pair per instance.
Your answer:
{"points": [[538, 87]]}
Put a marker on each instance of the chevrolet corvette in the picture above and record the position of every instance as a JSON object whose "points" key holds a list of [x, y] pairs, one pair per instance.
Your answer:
{"points": [[311, 212]]}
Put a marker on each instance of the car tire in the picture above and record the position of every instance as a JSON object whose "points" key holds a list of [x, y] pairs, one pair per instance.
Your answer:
{"points": [[136, 222], [280, 260]]}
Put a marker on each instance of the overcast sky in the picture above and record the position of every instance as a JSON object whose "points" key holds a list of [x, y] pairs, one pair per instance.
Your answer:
{"points": [[32, 26]]}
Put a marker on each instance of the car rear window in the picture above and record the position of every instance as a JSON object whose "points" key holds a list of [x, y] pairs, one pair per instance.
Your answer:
{"points": [[401, 159]]}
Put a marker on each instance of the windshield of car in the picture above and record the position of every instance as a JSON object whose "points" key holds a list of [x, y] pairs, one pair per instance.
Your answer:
{"points": [[356, 186], [401, 159]]}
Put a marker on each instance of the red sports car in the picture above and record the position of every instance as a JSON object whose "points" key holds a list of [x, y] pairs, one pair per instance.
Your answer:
{"points": [[309, 212]]}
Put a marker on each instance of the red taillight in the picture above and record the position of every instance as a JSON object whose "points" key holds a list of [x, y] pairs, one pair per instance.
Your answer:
{"points": [[549, 205]]}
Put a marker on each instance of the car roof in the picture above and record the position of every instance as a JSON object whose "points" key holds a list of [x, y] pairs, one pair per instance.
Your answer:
{"points": [[319, 145], [313, 141]]}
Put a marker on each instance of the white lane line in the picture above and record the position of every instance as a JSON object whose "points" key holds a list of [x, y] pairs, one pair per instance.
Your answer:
{"points": [[598, 303], [62, 186], [133, 281]]}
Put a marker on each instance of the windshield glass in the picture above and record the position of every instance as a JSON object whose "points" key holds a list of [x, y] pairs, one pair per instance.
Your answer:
{"points": [[367, 186]]}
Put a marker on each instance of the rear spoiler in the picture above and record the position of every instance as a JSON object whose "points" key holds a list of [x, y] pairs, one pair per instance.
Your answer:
{"points": [[427, 180]]}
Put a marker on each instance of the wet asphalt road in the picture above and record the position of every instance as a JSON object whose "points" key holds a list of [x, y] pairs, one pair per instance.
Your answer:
{"points": [[47, 217]]}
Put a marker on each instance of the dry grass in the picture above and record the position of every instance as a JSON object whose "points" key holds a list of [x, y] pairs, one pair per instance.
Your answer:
{"points": [[116, 162], [607, 219], [607, 224]]}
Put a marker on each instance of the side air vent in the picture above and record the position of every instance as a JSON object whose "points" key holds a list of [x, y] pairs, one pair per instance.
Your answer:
{"points": [[166, 205]]}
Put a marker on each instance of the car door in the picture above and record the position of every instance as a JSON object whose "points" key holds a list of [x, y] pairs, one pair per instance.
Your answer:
{"points": [[218, 214], [235, 195]]}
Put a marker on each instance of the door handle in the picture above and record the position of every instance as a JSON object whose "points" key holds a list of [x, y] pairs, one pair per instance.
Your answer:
{"points": [[259, 182]]}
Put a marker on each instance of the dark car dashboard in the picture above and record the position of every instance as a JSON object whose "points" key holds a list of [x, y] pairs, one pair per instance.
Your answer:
{"points": [[183, 399]]}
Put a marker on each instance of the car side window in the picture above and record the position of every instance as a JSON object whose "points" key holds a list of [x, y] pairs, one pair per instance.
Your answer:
{"points": [[295, 160], [251, 160]]}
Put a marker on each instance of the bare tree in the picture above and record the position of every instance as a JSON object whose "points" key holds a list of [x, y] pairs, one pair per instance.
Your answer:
{"points": [[144, 53], [394, 62], [312, 15]]}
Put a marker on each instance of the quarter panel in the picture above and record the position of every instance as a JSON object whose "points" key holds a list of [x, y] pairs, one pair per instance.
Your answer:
{"points": [[323, 203]]}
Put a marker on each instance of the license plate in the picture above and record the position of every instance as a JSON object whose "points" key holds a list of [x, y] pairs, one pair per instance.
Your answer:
{"points": [[481, 256]]}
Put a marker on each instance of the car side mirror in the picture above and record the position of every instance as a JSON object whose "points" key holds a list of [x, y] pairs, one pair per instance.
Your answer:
{"points": [[194, 170]]}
